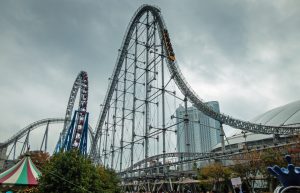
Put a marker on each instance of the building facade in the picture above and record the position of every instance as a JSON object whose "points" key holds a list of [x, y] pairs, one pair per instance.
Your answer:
{"points": [[200, 133]]}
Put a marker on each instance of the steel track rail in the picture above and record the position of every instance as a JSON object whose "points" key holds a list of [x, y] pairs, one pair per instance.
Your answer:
{"points": [[181, 83], [229, 155], [35, 125], [81, 82]]}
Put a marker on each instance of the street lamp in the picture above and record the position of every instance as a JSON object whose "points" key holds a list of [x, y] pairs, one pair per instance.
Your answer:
{"points": [[245, 136]]}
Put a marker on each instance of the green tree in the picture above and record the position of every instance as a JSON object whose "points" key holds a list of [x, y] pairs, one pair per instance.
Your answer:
{"points": [[109, 179], [214, 173], [253, 165], [70, 172], [247, 167], [271, 157]]}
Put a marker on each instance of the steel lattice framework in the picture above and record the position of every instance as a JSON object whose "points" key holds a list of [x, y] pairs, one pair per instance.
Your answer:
{"points": [[145, 50], [136, 119], [26, 131], [81, 83], [29, 128]]}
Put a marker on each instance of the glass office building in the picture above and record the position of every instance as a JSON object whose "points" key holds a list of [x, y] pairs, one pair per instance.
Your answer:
{"points": [[201, 132]]}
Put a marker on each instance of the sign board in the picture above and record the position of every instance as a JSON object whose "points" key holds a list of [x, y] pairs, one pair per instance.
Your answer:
{"points": [[236, 181]]}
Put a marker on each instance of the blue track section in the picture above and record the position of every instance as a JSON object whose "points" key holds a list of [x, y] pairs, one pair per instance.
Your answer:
{"points": [[70, 137]]}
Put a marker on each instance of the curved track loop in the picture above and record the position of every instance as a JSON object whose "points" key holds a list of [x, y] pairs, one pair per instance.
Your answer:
{"points": [[82, 83], [181, 83], [35, 125]]}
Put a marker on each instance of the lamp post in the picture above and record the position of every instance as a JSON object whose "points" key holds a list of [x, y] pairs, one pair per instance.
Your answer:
{"points": [[245, 136]]}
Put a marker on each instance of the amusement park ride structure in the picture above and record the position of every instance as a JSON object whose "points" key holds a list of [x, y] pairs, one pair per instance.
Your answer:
{"points": [[74, 134], [148, 31], [75, 131], [135, 110]]}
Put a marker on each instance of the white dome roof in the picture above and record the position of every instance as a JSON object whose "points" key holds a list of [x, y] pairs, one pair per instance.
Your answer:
{"points": [[288, 114]]}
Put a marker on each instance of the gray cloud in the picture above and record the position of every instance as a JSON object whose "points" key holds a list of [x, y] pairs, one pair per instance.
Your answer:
{"points": [[245, 54]]}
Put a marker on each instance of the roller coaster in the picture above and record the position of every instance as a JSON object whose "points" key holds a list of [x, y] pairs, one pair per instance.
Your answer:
{"points": [[69, 136], [136, 124], [158, 28], [25, 132]]}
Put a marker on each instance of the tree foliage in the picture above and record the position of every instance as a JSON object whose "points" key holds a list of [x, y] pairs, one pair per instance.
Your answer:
{"points": [[29, 190], [39, 158], [271, 157], [247, 167], [71, 172], [254, 165], [214, 174], [109, 179]]}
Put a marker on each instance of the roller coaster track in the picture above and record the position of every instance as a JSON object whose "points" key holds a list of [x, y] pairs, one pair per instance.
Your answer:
{"points": [[35, 125], [81, 82], [179, 79], [196, 157], [192, 157]]}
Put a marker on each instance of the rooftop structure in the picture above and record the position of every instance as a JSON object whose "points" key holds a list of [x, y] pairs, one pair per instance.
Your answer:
{"points": [[22, 173], [288, 115]]}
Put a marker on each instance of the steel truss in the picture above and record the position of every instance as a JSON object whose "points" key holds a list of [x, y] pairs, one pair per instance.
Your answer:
{"points": [[81, 82], [134, 118], [26, 131], [193, 157], [148, 23]]}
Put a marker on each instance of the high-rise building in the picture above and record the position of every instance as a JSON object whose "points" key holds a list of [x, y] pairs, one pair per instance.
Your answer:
{"points": [[201, 132]]}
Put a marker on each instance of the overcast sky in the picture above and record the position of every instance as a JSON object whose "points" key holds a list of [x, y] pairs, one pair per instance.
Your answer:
{"points": [[245, 54]]}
